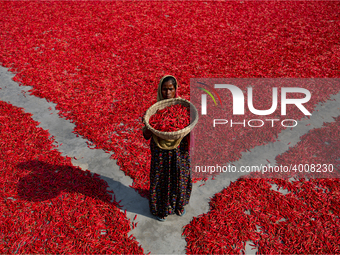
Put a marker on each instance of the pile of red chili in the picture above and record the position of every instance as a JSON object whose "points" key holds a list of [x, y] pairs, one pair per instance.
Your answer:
{"points": [[171, 118], [44, 197], [96, 94], [285, 215]]}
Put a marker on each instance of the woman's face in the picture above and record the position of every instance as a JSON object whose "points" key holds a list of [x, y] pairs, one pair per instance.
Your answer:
{"points": [[168, 90]]}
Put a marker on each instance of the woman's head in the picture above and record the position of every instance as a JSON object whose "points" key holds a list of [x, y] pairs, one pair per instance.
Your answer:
{"points": [[169, 87]]}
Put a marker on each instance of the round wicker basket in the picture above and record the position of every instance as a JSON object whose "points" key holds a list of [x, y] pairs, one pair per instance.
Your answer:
{"points": [[165, 103]]}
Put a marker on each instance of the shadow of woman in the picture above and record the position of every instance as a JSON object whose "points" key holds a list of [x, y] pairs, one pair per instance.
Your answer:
{"points": [[46, 181]]}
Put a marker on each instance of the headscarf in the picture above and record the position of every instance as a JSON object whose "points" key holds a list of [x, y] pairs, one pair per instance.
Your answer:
{"points": [[159, 92], [161, 143]]}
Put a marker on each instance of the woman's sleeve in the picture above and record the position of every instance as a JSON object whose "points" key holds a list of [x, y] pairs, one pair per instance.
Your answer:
{"points": [[144, 129], [188, 140]]}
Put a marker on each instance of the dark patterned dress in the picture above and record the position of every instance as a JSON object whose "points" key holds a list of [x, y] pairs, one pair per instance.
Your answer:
{"points": [[170, 180]]}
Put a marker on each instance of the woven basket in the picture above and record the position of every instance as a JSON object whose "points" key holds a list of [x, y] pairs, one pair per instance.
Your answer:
{"points": [[165, 103]]}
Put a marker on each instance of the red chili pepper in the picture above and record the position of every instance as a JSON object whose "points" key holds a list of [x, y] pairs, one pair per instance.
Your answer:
{"points": [[170, 119]]}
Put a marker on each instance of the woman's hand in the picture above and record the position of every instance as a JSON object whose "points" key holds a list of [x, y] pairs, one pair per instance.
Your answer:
{"points": [[146, 133]]}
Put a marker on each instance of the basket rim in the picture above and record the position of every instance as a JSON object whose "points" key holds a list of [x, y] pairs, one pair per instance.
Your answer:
{"points": [[169, 102]]}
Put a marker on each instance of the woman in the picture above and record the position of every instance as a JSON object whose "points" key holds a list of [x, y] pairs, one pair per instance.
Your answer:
{"points": [[170, 180]]}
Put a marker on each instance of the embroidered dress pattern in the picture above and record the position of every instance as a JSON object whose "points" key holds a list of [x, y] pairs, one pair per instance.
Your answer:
{"points": [[170, 180]]}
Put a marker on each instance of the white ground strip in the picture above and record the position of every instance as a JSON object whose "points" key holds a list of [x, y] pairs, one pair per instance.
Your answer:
{"points": [[155, 237]]}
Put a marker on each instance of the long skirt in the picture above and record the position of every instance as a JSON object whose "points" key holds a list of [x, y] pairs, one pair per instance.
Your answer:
{"points": [[170, 180]]}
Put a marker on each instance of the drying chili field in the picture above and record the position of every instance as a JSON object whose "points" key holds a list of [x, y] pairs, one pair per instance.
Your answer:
{"points": [[44, 197], [100, 63]]}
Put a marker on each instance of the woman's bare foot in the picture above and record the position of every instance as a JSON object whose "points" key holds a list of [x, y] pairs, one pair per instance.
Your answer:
{"points": [[180, 212], [161, 218]]}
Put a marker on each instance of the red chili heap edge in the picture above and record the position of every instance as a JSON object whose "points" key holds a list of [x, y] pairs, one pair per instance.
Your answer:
{"points": [[304, 221], [171, 118], [47, 204]]}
